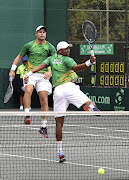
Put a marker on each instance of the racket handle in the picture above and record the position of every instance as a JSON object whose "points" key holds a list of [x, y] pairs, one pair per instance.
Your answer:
{"points": [[11, 79], [92, 52]]}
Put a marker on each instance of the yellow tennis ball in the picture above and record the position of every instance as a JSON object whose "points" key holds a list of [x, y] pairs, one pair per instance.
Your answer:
{"points": [[101, 171]]}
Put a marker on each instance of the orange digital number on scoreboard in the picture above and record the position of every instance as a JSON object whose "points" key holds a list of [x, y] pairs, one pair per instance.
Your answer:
{"points": [[112, 67], [112, 80], [112, 74]]}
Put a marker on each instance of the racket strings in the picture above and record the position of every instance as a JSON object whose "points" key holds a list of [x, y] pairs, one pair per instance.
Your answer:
{"points": [[8, 94], [89, 31]]}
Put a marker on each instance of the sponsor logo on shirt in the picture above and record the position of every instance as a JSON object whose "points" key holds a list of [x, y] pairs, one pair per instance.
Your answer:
{"points": [[57, 61]]}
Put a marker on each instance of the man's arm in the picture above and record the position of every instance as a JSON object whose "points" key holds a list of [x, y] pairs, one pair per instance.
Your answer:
{"points": [[14, 66], [36, 69], [81, 67]]}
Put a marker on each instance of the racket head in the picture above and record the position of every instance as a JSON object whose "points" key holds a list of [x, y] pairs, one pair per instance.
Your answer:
{"points": [[9, 92], [89, 31]]}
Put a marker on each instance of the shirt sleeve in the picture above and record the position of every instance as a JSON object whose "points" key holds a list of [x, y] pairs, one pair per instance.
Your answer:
{"points": [[52, 50], [70, 62], [24, 50]]}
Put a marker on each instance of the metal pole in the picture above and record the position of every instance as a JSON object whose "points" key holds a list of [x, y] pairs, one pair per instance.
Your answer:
{"points": [[100, 27], [45, 13], [126, 46], [107, 21]]}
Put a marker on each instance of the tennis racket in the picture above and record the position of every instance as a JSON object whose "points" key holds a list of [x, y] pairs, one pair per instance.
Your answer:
{"points": [[90, 33], [9, 91]]}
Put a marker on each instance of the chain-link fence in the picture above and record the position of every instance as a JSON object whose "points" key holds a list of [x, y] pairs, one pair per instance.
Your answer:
{"points": [[111, 18], [108, 16]]}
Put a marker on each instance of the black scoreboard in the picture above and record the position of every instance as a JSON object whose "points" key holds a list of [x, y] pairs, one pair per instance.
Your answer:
{"points": [[108, 74], [110, 68], [112, 74]]}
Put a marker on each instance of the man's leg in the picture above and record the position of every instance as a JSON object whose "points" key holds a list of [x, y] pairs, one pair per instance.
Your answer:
{"points": [[60, 105], [21, 101], [21, 93], [59, 126], [43, 95], [27, 101]]}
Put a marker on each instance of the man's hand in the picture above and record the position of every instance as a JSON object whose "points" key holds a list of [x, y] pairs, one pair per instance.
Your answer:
{"points": [[47, 75], [26, 79], [92, 59], [11, 74]]}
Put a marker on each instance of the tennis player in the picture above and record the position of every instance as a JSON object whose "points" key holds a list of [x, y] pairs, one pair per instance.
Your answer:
{"points": [[37, 51], [65, 90]]}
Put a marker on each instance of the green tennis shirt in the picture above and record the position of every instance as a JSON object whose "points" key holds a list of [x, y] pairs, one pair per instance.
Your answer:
{"points": [[61, 67], [37, 53]]}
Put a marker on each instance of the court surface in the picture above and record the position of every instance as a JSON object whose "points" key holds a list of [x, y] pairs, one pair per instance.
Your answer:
{"points": [[89, 142]]}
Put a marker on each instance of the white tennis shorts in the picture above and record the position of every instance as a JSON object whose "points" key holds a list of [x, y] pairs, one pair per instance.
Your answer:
{"points": [[68, 93], [40, 84]]}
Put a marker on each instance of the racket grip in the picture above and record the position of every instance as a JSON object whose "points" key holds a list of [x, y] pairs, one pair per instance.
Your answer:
{"points": [[11, 79], [92, 52]]}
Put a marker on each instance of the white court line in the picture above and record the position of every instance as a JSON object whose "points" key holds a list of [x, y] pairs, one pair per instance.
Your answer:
{"points": [[116, 130], [94, 135], [82, 134], [30, 145], [77, 145], [71, 163], [97, 135], [68, 125]]}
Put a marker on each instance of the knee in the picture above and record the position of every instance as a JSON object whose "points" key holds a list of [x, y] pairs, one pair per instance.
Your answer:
{"points": [[44, 101], [28, 90]]}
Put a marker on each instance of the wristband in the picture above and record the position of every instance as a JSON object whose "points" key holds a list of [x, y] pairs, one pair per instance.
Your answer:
{"points": [[88, 63], [13, 67], [29, 73]]}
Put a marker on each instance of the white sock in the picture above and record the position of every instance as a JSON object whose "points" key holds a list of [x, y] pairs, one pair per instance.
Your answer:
{"points": [[44, 123], [59, 146], [91, 106], [21, 107], [26, 110]]}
